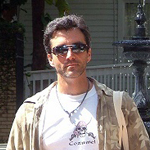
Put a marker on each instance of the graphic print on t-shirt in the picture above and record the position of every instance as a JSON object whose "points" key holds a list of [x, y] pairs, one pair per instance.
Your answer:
{"points": [[82, 134], [58, 131]]}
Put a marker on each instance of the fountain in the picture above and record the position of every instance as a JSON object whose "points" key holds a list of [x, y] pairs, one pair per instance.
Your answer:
{"points": [[137, 49]]}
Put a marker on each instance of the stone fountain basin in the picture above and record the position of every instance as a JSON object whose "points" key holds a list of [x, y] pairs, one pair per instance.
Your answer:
{"points": [[135, 49]]}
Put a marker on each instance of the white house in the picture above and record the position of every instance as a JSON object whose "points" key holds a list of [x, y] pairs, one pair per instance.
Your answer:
{"points": [[108, 21]]}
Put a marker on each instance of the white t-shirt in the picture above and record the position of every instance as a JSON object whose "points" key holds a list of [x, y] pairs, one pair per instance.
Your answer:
{"points": [[79, 132]]}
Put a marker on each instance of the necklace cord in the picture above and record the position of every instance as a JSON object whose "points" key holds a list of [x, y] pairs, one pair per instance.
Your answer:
{"points": [[72, 112]]}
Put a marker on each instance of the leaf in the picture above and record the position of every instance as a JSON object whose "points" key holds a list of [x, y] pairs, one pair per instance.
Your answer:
{"points": [[46, 19], [50, 2], [28, 74], [23, 10], [62, 7]]}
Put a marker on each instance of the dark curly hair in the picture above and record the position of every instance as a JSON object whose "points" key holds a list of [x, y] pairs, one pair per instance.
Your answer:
{"points": [[65, 23]]}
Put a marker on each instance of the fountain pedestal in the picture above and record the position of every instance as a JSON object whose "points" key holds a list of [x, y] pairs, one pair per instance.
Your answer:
{"points": [[138, 51]]}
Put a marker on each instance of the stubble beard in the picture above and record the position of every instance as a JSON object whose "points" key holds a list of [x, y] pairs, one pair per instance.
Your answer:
{"points": [[73, 73]]}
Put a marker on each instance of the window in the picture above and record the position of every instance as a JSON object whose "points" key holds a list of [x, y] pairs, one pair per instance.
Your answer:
{"points": [[130, 14]]}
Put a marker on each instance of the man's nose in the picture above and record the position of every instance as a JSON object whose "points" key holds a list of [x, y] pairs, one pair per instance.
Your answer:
{"points": [[70, 54]]}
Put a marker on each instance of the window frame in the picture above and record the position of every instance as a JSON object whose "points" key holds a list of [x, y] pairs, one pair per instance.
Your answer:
{"points": [[121, 16]]}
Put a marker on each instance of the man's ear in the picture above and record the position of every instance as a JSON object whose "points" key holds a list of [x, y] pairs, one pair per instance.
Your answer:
{"points": [[89, 55], [50, 59]]}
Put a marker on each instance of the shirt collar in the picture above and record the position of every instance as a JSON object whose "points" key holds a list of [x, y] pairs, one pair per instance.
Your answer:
{"points": [[101, 88]]}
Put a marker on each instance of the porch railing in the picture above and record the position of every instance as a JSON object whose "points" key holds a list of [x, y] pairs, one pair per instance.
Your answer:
{"points": [[3, 146], [117, 77]]}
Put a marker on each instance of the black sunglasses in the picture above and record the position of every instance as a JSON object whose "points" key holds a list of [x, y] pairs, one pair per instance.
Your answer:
{"points": [[76, 48]]}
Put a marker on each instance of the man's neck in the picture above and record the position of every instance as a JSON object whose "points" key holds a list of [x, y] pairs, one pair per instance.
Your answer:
{"points": [[73, 86]]}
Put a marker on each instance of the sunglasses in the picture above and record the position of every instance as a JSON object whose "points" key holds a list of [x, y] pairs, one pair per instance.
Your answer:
{"points": [[76, 48]]}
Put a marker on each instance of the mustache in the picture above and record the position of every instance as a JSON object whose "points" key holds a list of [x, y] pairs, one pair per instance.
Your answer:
{"points": [[71, 62]]}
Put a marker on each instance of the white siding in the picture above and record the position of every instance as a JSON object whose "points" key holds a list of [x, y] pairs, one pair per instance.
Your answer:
{"points": [[101, 17]]}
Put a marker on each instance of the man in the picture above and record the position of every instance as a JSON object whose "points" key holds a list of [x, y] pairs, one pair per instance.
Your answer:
{"points": [[76, 112]]}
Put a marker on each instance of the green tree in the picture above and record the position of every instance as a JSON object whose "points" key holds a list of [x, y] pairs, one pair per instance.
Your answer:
{"points": [[39, 20], [8, 10]]}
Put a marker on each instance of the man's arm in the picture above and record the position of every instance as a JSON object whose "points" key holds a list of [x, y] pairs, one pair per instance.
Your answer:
{"points": [[138, 136], [19, 138]]}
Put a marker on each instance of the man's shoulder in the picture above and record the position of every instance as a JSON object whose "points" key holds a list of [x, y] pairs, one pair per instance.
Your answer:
{"points": [[34, 101], [40, 95], [102, 89]]}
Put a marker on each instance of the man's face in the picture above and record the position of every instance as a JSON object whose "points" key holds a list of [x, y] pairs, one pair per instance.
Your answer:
{"points": [[70, 65]]}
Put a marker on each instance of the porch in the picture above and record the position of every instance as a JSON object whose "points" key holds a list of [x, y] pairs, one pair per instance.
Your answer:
{"points": [[115, 76], [3, 146]]}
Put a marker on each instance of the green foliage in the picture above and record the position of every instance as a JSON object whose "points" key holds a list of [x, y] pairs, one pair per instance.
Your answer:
{"points": [[50, 2], [11, 28], [12, 4], [46, 19], [8, 33], [62, 7]]}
